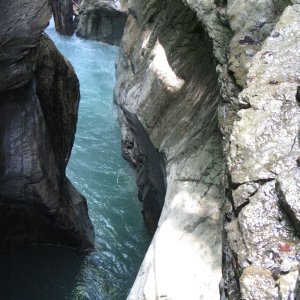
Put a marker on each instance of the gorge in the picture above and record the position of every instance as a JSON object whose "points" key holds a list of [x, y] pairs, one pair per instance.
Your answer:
{"points": [[98, 171], [206, 93]]}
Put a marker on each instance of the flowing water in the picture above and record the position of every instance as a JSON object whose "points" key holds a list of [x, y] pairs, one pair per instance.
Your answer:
{"points": [[98, 171]]}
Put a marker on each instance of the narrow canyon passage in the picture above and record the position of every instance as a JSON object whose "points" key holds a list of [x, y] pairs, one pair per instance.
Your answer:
{"points": [[98, 171]]}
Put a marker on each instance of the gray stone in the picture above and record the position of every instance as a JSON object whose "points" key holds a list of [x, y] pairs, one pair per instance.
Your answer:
{"points": [[242, 194], [263, 150], [287, 284], [19, 39], [288, 189], [63, 16], [39, 98], [257, 284], [101, 20], [297, 287], [166, 75], [183, 66], [56, 82]]}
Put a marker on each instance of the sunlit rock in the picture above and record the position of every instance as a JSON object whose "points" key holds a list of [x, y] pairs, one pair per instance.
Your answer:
{"points": [[167, 77], [186, 69]]}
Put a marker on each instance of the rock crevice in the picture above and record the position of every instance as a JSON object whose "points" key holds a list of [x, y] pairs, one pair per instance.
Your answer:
{"points": [[166, 76], [188, 69]]}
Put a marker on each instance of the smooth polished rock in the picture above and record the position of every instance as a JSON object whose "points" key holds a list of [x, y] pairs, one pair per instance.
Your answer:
{"points": [[35, 201], [101, 20], [58, 91], [184, 258], [166, 76], [39, 98], [21, 25], [63, 16], [182, 67]]}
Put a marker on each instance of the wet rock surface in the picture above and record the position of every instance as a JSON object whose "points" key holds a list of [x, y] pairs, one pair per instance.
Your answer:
{"points": [[191, 67], [57, 81], [39, 99], [63, 16], [101, 20]]}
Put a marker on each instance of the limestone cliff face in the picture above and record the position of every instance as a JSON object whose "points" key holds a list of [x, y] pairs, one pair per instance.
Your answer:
{"points": [[39, 100], [214, 85], [101, 20]]}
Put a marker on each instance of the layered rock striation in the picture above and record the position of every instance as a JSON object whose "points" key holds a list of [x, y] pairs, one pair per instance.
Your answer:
{"points": [[63, 11], [214, 85], [101, 20], [39, 98], [166, 76]]}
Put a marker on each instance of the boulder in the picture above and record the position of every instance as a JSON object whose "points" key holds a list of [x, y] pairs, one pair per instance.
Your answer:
{"points": [[63, 16], [101, 20], [39, 100], [19, 40]]}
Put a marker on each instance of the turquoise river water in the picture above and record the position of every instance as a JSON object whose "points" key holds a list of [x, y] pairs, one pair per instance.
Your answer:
{"points": [[98, 171]]}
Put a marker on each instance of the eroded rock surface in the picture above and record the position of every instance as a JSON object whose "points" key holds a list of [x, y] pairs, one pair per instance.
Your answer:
{"points": [[19, 39], [186, 69], [167, 77], [63, 16], [39, 100], [263, 149], [150, 168], [101, 20]]}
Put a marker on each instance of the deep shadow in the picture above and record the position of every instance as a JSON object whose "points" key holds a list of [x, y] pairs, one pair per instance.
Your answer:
{"points": [[150, 168], [41, 272]]}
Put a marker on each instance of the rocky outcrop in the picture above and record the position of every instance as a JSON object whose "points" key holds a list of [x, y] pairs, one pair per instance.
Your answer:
{"points": [[101, 20], [19, 40], [63, 16], [39, 100], [261, 158], [202, 77], [167, 77]]}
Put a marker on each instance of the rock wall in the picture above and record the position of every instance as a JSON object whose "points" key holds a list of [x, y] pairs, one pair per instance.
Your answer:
{"points": [[101, 20], [214, 85], [39, 99], [166, 75], [63, 16]]}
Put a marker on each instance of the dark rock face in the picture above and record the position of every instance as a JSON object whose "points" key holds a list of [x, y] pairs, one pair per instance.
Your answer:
{"points": [[56, 82], [102, 21], [35, 201], [150, 168], [19, 40], [39, 100], [63, 16]]}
